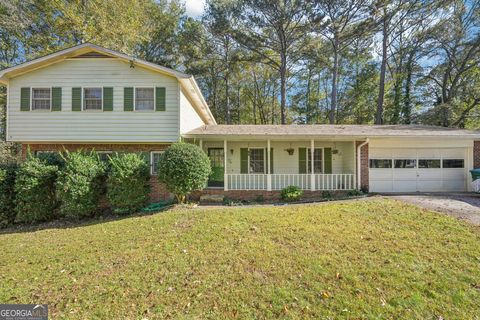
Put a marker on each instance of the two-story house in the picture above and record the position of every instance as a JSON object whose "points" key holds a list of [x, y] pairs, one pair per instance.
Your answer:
{"points": [[90, 97]]}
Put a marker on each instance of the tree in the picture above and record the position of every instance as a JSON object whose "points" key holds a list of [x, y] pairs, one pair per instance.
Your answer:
{"points": [[346, 21], [274, 30]]}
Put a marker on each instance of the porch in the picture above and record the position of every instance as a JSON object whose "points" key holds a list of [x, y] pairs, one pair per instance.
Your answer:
{"points": [[272, 165]]}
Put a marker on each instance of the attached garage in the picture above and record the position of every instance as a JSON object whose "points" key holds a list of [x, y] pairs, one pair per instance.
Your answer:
{"points": [[427, 168]]}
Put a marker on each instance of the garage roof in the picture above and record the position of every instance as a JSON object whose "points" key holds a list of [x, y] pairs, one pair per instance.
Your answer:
{"points": [[363, 131]]}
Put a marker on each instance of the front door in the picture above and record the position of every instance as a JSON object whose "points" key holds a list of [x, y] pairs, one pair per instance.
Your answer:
{"points": [[216, 156]]}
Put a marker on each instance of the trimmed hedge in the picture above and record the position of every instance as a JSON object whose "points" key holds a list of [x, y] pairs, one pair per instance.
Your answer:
{"points": [[128, 185], [80, 184], [184, 168], [8, 173], [35, 191]]}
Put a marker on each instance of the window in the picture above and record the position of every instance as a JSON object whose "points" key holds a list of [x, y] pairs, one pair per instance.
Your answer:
{"points": [[429, 163], [41, 153], [154, 158], [453, 163], [216, 157], [41, 98], [144, 99], [103, 155], [257, 161], [317, 160], [405, 163], [92, 98], [380, 163]]}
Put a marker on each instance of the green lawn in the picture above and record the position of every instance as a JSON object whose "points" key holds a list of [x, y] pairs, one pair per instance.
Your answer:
{"points": [[367, 259]]}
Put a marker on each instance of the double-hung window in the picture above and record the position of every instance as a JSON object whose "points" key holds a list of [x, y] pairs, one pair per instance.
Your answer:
{"points": [[144, 99], [257, 160], [41, 98], [92, 98], [317, 160], [154, 158]]}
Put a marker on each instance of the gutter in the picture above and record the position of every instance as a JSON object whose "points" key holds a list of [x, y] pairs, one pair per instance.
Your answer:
{"points": [[359, 168]]}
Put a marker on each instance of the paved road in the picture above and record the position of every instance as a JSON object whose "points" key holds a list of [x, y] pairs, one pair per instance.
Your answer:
{"points": [[464, 206]]}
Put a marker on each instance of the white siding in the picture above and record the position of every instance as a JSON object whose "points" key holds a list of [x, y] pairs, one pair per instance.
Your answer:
{"points": [[342, 162], [189, 118], [114, 126]]}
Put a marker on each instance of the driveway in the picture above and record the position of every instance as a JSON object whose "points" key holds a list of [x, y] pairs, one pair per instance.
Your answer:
{"points": [[464, 206]]}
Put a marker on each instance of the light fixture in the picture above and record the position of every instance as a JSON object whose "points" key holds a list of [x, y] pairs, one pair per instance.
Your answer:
{"points": [[290, 151], [231, 151]]}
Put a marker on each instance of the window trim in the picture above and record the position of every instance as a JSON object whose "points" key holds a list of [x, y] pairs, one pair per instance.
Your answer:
{"points": [[135, 98], [374, 168], [309, 159], [31, 99], [151, 161], [264, 160], [83, 99], [37, 152], [429, 159], [405, 159], [455, 168]]}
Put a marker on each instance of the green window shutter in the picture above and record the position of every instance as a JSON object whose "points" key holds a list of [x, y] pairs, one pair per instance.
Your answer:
{"points": [[128, 99], [76, 99], [327, 152], [57, 99], [271, 160], [25, 99], [159, 99], [107, 99], [302, 160], [243, 160]]}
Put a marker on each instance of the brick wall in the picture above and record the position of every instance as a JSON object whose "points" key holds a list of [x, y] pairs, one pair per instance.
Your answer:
{"points": [[158, 191], [476, 154], [364, 165], [252, 195]]}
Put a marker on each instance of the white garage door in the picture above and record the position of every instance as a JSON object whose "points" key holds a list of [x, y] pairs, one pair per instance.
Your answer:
{"points": [[415, 169]]}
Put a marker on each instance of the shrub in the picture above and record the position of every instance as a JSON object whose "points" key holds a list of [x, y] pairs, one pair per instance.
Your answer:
{"points": [[327, 195], [128, 185], [80, 184], [8, 173], [52, 158], [184, 168], [291, 193], [35, 191], [354, 193]]}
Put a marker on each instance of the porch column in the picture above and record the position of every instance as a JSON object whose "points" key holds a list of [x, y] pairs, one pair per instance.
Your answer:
{"points": [[201, 144], [225, 176], [312, 173], [269, 176]]}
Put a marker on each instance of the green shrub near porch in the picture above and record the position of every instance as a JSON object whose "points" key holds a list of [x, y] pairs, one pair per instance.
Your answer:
{"points": [[35, 191], [184, 168], [80, 184], [8, 173], [291, 193], [128, 185]]}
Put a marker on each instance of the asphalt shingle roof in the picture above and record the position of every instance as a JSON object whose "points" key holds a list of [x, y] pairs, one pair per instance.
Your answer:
{"points": [[332, 130]]}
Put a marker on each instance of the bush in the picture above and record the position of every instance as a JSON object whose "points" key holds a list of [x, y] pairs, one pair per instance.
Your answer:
{"points": [[52, 158], [128, 185], [291, 193], [80, 184], [8, 173], [354, 193], [35, 191], [184, 168]]}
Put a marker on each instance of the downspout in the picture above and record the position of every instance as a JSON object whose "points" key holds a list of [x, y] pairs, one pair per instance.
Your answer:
{"points": [[359, 168]]}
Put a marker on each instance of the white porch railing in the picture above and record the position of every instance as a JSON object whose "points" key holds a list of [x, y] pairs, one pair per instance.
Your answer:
{"points": [[335, 181]]}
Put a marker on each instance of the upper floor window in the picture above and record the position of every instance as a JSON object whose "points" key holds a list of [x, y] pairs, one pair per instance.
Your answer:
{"points": [[92, 98], [144, 99], [41, 98]]}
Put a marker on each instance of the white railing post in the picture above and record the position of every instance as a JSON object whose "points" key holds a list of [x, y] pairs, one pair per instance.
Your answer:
{"points": [[312, 172], [269, 173], [225, 175]]}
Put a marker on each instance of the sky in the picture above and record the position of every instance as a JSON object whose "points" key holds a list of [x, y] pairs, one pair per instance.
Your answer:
{"points": [[194, 7]]}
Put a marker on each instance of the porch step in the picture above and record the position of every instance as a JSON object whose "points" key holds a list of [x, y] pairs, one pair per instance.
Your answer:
{"points": [[211, 198]]}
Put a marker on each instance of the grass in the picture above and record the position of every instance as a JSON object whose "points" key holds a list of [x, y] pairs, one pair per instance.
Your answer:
{"points": [[367, 259]]}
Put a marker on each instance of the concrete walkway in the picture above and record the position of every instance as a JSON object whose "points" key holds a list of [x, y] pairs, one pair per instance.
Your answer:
{"points": [[464, 206]]}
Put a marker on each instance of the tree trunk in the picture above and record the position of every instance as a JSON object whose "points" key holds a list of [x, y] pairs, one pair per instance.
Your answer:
{"points": [[333, 102], [383, 68], [407, 109], [307, 101], [283, 87]]}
